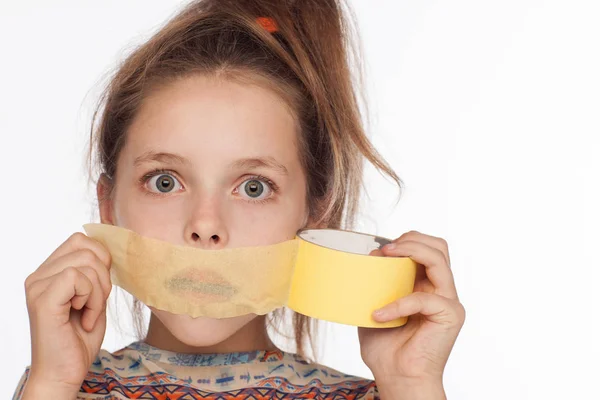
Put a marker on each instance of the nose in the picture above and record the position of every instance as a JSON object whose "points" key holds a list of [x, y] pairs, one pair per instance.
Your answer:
{"points": [[206, 228]]}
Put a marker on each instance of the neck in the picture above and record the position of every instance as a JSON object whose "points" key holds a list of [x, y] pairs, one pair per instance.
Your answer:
{"points": [[252, 336]]}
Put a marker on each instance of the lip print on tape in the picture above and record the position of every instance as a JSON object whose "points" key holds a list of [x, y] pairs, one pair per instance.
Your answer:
{"points": [[322, 273]]}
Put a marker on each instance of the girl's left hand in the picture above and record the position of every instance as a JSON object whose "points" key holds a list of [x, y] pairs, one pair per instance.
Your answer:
{"points": [[416, 352]]}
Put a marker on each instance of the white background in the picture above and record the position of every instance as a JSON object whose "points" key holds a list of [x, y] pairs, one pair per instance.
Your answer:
{"points": [[489, 112]]}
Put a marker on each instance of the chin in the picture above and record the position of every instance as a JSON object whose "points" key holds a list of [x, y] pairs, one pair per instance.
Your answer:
{"points": [[201, 331]]}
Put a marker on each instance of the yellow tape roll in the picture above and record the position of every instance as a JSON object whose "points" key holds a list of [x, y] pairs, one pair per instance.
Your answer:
{"points": [[344, 287]]}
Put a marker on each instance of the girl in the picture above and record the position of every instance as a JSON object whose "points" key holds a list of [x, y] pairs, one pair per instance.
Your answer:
{"points": [[235, 125]]}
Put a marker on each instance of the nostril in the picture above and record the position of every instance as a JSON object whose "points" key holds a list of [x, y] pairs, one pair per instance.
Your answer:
{"points": [[214, 238]]}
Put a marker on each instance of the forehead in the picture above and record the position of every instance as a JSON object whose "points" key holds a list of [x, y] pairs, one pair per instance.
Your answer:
{"points": [[214, 120]]}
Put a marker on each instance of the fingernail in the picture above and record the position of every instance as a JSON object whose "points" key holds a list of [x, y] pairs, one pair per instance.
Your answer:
{"points": [[379, 313], [390, 246]]}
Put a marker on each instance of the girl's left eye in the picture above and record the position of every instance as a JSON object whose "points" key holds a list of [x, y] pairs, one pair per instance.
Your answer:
{"points": [[255, 187], [163, 183]]}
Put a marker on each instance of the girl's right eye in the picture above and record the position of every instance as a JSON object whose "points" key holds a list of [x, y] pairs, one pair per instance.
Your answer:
{"points": [[163, 183]]}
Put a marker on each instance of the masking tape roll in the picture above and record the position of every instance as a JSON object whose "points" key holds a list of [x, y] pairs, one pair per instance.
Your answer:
{"points": [[332, 283], [323, 273]]}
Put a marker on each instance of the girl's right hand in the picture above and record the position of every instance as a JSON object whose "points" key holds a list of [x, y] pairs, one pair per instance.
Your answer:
{"points": [[66, 301]]}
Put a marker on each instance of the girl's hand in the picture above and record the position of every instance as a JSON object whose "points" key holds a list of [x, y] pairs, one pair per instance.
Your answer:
{"points": [[416, 353], [66, 301]]}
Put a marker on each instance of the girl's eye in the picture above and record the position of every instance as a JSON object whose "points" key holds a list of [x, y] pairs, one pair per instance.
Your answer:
{"points": [[254, 188], [163, 183]]}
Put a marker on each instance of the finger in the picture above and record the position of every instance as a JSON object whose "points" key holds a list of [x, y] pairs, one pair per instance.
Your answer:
{"points": [[78, 288], [376, 252], [36, 289], [432, 259], [61, 288], [78, 241], [432, 241], [434, 307], [94, 300], [80, 258]]}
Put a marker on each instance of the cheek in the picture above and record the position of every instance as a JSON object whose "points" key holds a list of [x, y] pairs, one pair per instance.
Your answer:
{"points": [[263, 224], [154, 217]]}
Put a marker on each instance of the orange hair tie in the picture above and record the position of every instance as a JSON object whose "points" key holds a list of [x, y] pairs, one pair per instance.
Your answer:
{"points": [[268, 23]]}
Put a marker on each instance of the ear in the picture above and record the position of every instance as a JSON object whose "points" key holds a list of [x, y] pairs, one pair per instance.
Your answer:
{"points": [[105, 206]]}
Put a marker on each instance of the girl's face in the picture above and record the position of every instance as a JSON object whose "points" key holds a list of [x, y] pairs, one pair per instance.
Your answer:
{"points": [[211, 164]]}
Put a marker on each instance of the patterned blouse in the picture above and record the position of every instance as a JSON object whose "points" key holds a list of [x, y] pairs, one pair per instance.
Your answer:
{"points": [[141, 371]]}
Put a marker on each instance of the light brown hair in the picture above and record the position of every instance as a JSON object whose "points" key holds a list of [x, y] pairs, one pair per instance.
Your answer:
{"points": [[307, 61]]}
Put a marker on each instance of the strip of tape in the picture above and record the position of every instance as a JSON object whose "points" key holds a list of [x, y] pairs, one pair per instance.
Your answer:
{"points": [[322, 273]]}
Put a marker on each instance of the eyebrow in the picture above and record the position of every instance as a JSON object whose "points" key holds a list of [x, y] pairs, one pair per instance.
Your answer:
{"points": [[243, 163], [152, 155], [259, 162]]}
